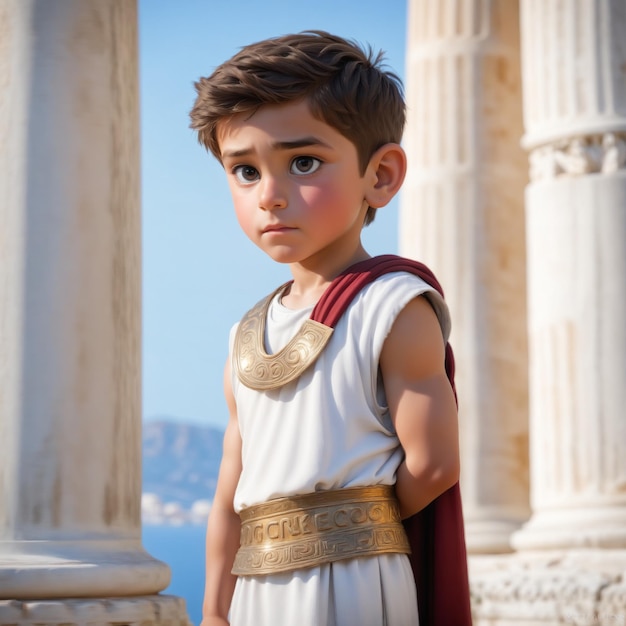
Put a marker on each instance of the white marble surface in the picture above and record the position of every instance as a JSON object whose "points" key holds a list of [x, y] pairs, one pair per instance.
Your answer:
{"points": [[70, 311], [462, 214]]}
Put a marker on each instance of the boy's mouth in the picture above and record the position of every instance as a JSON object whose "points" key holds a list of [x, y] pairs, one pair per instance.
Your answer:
{"points": [[274, 228]]}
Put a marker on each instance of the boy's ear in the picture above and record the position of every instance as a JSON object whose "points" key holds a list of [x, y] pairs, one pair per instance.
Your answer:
{"points": [[385, 174]]}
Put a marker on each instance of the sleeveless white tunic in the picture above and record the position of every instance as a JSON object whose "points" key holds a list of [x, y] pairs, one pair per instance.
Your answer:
{"points": [[329, 429]]}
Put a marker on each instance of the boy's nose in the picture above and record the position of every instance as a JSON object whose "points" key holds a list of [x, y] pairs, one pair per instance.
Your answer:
{"points": [[272, 195]]}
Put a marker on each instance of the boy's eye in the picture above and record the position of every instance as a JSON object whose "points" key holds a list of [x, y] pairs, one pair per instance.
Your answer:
{"points": [[246, 174], [304, 165]]}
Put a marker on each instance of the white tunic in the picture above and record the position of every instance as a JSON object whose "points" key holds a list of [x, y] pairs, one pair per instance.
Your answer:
{"points": [[328, 429]]}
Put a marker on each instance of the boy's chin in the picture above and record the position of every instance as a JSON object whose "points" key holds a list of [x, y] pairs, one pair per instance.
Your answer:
{"points": [[286, 257]]}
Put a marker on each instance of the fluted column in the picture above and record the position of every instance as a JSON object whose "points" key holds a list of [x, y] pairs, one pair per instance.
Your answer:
{"points": [[70, 415], [462, 214], [575, 118]]}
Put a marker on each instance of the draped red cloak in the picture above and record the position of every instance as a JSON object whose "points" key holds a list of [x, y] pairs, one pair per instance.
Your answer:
{"points": [[436, 534]]}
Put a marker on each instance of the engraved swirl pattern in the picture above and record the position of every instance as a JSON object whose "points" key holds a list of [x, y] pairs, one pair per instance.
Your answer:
{"points": [[380, 539], [257, 369]]}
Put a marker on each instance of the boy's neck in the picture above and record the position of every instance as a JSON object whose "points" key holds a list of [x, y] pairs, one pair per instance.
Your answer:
{"points": [[311, 280]]}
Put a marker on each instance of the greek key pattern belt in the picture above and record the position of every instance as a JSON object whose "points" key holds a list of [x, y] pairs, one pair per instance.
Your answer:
{"points": [[321, 527]]}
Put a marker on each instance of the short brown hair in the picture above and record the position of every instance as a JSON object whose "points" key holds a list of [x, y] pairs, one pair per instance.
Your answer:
{"points": [[345, 85]]}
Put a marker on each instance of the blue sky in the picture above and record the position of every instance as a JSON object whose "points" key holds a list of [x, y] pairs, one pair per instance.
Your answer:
{"points": [[200, 274]]}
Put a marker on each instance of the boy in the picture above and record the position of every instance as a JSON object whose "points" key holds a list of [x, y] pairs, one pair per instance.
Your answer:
{"points": [[336, 435]]}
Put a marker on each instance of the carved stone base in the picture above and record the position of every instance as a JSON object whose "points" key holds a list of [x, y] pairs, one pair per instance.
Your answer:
{"points": [[580, 588], [134, 611]]}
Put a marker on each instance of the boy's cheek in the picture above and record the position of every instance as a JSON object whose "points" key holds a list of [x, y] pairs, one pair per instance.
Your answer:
{"points": [[317, 197], [327, 199], [246, 220]]}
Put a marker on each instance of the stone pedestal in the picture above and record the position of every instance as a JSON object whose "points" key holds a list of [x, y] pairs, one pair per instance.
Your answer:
{"points": [[135, 611], [70, 414], [462, 214], [552, 588]]}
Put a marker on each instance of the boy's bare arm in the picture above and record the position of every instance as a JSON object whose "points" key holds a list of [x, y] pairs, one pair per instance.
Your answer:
{"points": [[223, 528], [422, 406]]}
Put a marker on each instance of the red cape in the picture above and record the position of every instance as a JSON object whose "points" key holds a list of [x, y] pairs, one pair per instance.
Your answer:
{"points": [[436, 533]]}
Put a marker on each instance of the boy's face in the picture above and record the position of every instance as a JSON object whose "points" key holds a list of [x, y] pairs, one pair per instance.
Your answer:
{"points": [[296, 185]]}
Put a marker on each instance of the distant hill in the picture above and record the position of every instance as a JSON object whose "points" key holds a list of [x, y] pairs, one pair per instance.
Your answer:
{"points": [[180, 460]]}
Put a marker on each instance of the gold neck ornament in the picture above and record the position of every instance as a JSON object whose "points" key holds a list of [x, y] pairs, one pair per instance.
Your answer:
{"points": [[261, 371]]}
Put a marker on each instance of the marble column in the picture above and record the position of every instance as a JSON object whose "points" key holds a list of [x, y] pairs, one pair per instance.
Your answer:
{"points": [[462, 214], [70, 414], [575, 119]]}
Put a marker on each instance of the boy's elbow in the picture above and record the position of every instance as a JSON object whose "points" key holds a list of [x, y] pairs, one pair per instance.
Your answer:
{"points": [[452, 473], [444, 476], [425, 484]]}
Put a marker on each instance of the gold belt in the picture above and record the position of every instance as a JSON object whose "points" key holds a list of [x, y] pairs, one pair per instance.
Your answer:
{"points": [[304, 531]]}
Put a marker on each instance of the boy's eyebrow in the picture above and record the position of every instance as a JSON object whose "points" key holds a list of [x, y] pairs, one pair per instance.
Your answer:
{"points": [[279, 145], [299, 143]]}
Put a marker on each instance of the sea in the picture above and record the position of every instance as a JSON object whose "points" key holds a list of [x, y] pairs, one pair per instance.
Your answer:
{"points": [[182, 548]]}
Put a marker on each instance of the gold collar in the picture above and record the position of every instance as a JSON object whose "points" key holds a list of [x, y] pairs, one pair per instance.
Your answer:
{"points": [[261, 371]]}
